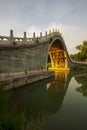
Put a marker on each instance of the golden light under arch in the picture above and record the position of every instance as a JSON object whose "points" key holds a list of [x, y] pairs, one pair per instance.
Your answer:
{"points": [[58, 55]]}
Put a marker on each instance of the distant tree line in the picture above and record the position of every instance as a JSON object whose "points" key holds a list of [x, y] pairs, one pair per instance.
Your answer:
{"points": [[82, 52]]}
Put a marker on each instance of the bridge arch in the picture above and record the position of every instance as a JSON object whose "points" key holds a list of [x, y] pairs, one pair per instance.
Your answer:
{"points": [[58, 54]]}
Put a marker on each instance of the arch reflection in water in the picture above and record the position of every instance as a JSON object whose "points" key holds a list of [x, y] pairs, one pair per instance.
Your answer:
{"points": [[42, 99], [60, 81], [57, 89]]}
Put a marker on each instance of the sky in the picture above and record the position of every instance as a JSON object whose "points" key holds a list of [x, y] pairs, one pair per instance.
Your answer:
{"points": [[68, 16]]}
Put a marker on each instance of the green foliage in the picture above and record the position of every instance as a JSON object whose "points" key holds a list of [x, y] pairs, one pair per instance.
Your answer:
{"points": [[10, 119], [49, 65], [82, 52], [79, 47]]}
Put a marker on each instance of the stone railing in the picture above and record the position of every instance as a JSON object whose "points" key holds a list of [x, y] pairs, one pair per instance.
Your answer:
{"points": [[11, 40]]}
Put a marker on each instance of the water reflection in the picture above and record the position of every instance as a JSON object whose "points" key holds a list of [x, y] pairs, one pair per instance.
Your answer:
{"points": [[82, 80], [61, 81], [42, 99], [57, 90], [47, 103]]}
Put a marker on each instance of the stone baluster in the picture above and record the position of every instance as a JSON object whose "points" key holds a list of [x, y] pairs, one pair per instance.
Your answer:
{"points": [[53, 30], [40, 34], [45, 33], [49, 31], [34, 35], [11, 37], [24, 40]]}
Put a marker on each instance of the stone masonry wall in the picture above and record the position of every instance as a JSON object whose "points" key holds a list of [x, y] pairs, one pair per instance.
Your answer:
{"points": [[24, 58]]}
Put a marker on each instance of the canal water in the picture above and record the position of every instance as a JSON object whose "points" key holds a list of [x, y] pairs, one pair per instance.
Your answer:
{"points": [[57, 103]]}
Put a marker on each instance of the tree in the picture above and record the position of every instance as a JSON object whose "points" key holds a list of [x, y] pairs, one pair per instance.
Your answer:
{"points": [[82, 52]]}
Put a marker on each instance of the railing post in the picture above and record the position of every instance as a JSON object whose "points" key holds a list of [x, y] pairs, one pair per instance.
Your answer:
{"points": [[49, 31], [45, 33], [40, 34], [34, 35], [11, 37], [53, 30], [24, 37]]}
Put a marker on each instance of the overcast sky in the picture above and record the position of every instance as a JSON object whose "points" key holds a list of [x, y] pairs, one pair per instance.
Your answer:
{"points": [[69, 16]]}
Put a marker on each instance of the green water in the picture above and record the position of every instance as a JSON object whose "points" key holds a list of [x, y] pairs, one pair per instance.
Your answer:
{"points": [[58, 103]]}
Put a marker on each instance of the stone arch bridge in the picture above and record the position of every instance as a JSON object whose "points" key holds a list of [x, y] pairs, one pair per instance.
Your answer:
{"points": [[22, 54]]}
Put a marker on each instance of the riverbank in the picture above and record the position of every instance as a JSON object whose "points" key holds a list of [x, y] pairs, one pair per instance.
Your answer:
{"points": [[19, 79]]}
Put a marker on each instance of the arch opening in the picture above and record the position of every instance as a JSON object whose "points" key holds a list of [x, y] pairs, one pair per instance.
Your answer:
{"points": [[57, 55]]}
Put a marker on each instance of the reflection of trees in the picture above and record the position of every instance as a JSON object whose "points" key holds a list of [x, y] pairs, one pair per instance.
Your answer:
{"points": [[82, 79], [39, 101]]}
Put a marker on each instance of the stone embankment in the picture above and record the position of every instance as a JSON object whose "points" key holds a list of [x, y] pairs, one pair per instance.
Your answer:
{"points": [[20, 79]]}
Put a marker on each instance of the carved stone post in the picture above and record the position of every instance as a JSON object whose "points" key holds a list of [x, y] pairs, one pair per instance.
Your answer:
{"points": [[46, 33], [34, 35], [24, 40], [49, 31], [11, 37], [40, 34]]}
